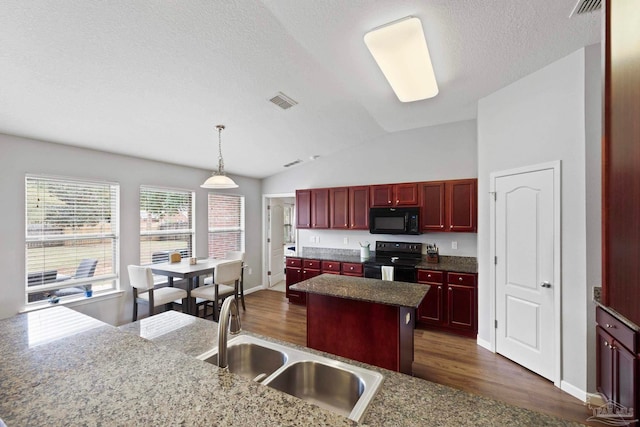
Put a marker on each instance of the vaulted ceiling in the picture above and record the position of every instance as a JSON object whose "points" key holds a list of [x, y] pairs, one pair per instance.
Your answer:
{"points": [[153, 78]]}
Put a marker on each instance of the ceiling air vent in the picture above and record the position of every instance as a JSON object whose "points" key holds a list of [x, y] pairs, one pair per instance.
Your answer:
{"points": [[295, 162], [283, 101], [586, 6]]}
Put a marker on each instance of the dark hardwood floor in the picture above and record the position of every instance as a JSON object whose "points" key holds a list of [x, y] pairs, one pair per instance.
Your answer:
{"points": [[439, 357]]}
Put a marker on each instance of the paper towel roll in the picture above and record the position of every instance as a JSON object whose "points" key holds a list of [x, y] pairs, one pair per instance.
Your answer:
{"points": [[387, 272]]}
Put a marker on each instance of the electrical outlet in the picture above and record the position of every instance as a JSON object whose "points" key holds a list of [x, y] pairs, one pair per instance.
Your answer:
{"points": [[317, 239], [249, 271], [346, 240], [312, 239], [596, 293], [454, 245]]}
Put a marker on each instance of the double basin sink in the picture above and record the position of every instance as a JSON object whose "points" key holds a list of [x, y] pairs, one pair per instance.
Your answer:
{"points": [[330, 384]]}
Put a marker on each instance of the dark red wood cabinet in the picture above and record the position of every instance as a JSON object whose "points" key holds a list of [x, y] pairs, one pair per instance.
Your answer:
{"points": [[312, 208], [359, 208], [389, 195], [432, 206], [339, 208], [293, 275], [461, 205], [451, 303], [617, 360], [331, 267], [352, 269]]}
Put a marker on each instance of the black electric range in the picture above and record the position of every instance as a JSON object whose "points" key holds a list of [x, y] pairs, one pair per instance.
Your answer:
{"points": [[403, 256]]}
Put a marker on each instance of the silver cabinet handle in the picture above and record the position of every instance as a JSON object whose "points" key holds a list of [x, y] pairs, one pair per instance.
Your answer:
{"points": [[460, 279], [546, 284], [610, 326]]}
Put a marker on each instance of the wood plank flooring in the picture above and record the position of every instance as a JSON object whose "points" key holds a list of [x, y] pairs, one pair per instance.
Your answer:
{"points": [[439, 357]]}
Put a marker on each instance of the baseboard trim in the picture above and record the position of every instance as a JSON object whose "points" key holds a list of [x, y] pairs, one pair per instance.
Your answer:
{"points": [[573, 391], [254, 289], [484, 344]]}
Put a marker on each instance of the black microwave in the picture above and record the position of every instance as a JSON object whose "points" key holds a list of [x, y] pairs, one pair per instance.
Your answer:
{"points": [[394, 221]]}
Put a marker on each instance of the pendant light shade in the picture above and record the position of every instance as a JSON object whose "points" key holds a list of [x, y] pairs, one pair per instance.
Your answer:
{"points": [[219, 179]]}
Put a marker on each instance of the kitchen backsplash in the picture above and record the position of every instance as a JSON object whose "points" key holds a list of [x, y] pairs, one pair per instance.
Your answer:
{"points": [[466, 243]]}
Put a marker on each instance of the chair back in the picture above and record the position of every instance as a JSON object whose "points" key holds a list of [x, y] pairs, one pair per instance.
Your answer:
{"points": [[140, 277], [86, 268], [227, 272], [234, 255]]}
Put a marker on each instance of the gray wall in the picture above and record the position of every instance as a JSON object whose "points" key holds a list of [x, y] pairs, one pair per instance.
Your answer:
{"points": [[446, 151], [19, 156], [537, 119]]}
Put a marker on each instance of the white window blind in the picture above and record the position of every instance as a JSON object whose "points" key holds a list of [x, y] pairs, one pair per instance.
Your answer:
{"points": [[166, 224], [226, 224], [71, 236]]}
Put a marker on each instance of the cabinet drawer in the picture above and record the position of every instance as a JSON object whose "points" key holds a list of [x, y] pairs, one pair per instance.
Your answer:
{"points": [[351, 268], [294, 262], [330, 266], [462, 279], [618, 330], [313, 264], [430, 276]]}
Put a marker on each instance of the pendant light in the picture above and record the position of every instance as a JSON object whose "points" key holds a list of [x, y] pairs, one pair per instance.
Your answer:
{"points": [[219, 179]]}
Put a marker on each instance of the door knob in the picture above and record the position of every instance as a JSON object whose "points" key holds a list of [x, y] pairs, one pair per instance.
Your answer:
{"points": [[546, 284]]}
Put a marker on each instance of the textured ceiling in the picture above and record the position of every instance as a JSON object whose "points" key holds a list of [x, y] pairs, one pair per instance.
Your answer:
{"points": [[153, 78]]}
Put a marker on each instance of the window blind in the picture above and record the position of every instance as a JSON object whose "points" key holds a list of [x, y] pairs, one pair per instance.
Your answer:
{"points": [[226, 224], [166, 224], [71, 236]]}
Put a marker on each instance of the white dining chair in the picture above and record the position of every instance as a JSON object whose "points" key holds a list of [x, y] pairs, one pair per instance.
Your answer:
{"points": [[239, 255], [144, 292], [225, 282]]}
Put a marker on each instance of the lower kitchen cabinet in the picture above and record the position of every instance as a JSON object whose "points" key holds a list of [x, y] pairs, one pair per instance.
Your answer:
{"points": [[293, 275], [299, 269], [451, 303], [617, 360]]}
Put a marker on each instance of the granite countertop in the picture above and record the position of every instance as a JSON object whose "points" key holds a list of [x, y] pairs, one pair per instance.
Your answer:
{"points": [[62, 368], [401, 294], [455, 264]]}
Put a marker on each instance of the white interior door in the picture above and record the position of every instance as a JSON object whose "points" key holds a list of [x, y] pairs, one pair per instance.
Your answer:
{"points": [[527, 284], [276, 241]]}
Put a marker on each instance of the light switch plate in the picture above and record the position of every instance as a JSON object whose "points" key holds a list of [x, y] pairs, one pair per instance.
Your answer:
{"points": [[596, 293], [454, 245]]}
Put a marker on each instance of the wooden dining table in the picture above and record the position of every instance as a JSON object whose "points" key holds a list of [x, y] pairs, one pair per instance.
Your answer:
{"points": [[185, 270]]}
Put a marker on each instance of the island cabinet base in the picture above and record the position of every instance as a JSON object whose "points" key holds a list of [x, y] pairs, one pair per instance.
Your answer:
{"points": [[377, 334]]}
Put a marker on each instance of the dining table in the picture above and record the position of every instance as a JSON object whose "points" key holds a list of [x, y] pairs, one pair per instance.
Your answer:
{"points": [[185, 270]]}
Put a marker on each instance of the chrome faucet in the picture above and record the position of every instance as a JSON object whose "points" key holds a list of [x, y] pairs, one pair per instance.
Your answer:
{"points": [[225, 325]]}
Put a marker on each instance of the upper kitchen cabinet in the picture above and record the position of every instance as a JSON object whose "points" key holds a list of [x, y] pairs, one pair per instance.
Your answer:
{"points": [[432, 206], [303, 208], [349, 208], [461, 205], [312, 207], [359, 208], [394, 195], [339, 207]]}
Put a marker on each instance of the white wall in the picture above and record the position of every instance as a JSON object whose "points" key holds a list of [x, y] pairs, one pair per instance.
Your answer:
{"points": [[537, 119], [434, 153], [19, 156]]}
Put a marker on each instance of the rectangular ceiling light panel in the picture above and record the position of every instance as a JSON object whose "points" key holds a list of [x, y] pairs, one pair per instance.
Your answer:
{"points": [[401, 52]]}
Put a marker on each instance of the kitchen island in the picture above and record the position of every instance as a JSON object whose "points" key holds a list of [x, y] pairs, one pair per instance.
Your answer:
{"points": [[368, 320], [62, 368]]}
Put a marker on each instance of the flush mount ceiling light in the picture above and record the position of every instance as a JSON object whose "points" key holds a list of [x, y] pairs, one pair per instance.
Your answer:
{"points": [[219, 179], [401, 52]]}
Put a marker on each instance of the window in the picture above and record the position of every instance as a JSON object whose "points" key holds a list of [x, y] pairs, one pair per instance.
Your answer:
{"points": [[71, 237], [226, 224], [166, 224]]}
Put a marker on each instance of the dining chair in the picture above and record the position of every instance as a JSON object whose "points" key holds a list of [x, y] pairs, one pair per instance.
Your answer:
{"points": [[144, 292], [225, 283], [239, 255]]}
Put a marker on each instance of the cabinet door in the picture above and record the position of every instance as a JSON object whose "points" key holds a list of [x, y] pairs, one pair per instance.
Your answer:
{"points": [[320, 208], [359, 208], [461, 307], [339, 207], [303, 208], [293, 276], [604, 363], [381, 195], [461, 205], [625, 374], [406, 194], [308, 273], [431, 310], [432, 206]]}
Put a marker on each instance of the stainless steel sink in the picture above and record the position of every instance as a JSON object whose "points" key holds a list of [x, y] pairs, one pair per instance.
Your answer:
{"points": [[328, 387], [339, 387], [249, 359]]}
